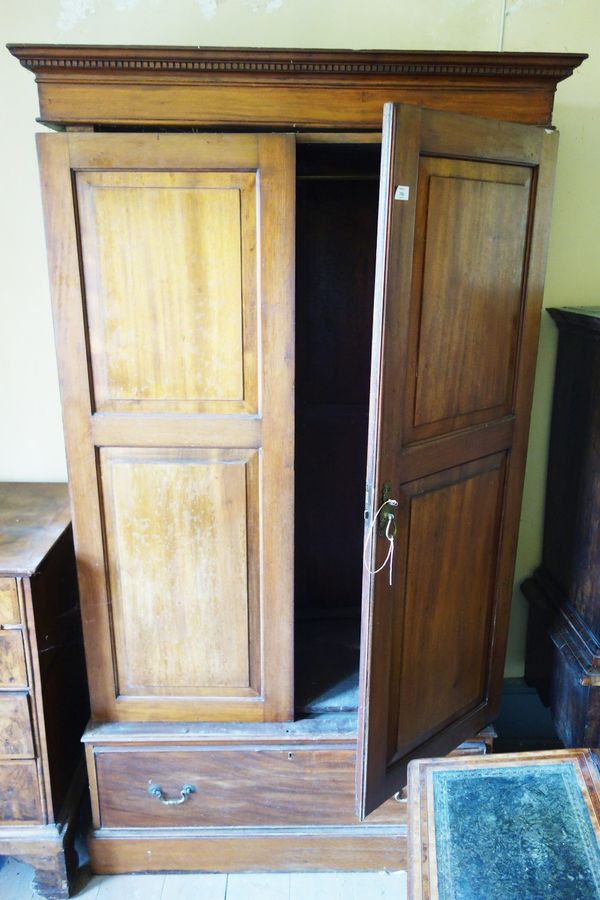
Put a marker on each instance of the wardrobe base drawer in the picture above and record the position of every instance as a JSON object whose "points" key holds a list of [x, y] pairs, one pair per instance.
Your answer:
{"points": [[207, 787]]}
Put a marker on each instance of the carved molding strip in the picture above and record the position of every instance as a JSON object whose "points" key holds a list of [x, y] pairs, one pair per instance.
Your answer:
{"points": [[295, 67]]}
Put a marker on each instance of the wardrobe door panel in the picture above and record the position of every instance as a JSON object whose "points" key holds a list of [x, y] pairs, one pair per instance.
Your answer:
{"points": [[470, 239], [182, 562], [171, 258], [463, 228], [448, 531], [162, 256]]}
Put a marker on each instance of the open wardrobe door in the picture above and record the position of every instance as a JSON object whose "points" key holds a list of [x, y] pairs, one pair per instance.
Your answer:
{"points": [[462, 238]]}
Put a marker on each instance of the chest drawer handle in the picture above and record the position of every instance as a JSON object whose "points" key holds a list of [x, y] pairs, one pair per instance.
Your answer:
{"points": [[186, 790]]}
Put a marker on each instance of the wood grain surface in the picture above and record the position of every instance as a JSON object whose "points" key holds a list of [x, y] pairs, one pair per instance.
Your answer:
{"points": [[145, 366], [289, 89], [13, 668], [306, 849], [16, 738], [283, 786], [155, 416], [184, 563], [457, 304], [467, 287], [9, 602], [32, 517], [19, 793], [171, 253]]}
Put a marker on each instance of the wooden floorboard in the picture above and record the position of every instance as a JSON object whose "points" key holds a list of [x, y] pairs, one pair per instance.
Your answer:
{"points": [[348, 886], [15, 880], [16, 884], [194, 887], [274, 886]]}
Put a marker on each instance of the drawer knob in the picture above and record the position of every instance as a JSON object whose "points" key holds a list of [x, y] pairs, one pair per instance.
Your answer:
{"points": [[155, 791]]}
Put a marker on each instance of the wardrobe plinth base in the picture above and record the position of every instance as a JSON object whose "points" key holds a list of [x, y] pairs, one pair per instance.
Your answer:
{"points": [[117, 851]]}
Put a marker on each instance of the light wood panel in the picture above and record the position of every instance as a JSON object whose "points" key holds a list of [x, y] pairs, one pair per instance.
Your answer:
{"points": [[183, 560], [283, 88], [175, 430], [19, 793], [9, 602], [16, 738], [13, 669], [303, 849], [169, 265], [192, 178], [32, 518]]}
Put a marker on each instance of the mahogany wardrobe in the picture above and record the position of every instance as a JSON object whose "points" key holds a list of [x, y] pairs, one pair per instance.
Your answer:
{"points": [[296, 300]]}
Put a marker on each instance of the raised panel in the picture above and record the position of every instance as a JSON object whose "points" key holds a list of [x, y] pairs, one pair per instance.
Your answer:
{"points": [[9, 602], [183, 561], [470, 239], [13, 669], [16, 737], [170, 274], [19, 793], [442, 630]]}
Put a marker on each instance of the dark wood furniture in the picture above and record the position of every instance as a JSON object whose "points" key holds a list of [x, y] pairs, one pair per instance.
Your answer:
{"points": [[43, 694], [563, 641], [217, 222]]}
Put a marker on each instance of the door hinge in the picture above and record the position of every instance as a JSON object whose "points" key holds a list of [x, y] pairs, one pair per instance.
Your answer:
{"points": [[368, 491]]}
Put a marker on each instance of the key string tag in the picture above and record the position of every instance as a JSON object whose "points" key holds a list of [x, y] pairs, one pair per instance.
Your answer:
{"points": [[390, 534]]}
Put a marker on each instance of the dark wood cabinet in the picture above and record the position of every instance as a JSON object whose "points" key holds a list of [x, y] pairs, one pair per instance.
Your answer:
{"points": [[43, 692], [563, 642], [278, 305]]}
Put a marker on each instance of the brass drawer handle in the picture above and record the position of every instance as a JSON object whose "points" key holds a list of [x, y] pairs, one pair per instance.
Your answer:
{"points": [[186, 790]]}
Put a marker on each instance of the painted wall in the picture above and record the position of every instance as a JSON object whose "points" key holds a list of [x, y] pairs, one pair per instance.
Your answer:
{"points": [[31, 445]]}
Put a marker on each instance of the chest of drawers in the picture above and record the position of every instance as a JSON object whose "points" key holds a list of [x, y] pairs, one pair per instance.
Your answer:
{"points": [[43, 706]]}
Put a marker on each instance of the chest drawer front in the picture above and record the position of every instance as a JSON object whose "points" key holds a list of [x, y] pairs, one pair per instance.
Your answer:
{"points": [[16, 738], [9, 602], [270, 786], [19, 793], [13, 670]]}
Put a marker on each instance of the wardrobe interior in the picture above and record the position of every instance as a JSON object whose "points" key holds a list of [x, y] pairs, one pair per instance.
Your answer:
{"points": [[337, 194]]}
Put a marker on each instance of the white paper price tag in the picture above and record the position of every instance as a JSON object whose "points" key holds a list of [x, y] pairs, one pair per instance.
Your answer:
{"points": [[402, 192]]}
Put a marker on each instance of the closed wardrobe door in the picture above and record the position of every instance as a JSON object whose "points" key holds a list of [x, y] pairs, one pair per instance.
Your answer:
{"points": [[171, 262]]}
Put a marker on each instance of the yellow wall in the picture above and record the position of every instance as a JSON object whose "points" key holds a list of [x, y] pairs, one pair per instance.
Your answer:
{"points": [[31, 438]]}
